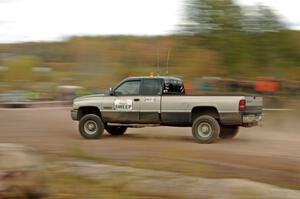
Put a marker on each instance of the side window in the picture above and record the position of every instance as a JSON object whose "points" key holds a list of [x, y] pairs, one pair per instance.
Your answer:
{"points": [[173, 87], [151, 87], [128, 88]]}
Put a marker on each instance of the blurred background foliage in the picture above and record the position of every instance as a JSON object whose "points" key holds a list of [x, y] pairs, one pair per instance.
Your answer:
{"points": [[248, 40], [218, 38]]}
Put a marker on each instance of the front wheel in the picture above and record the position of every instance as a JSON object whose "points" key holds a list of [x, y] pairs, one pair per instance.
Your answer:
{"points": [[206, 129], [228, 132], [116, 130], [91, 126]]}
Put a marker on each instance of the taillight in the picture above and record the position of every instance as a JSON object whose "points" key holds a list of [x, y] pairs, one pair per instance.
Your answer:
{"points": [[242, 105]]}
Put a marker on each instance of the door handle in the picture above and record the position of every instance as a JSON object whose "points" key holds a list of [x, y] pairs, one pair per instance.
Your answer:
{"points": [[136, 99]]}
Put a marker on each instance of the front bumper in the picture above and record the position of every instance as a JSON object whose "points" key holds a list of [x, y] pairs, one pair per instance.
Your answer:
{"points": [[252, 120], [74, 114]]}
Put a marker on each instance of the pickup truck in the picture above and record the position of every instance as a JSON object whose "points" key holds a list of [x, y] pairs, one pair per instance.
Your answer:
{"points": [[161, 101]]}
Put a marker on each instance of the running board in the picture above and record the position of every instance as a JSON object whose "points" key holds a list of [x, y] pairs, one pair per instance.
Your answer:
{"points": [[133, 125]]}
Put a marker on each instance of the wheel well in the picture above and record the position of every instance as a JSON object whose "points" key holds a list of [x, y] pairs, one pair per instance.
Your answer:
{"points": [[204, 110], [82, 111]]}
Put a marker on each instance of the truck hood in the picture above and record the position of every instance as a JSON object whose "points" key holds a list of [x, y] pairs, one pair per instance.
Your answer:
{"points": [[88, 96]]}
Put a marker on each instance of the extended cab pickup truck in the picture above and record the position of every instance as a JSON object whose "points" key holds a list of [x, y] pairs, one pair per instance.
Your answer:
{"points": [[161, 101]]}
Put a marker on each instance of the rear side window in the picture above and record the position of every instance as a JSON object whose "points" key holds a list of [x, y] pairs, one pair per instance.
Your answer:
{"points": [[151, 87], [173, 87]]}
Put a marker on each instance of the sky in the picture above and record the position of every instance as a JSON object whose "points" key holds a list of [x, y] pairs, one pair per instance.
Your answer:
{"points": [[44, 20]]}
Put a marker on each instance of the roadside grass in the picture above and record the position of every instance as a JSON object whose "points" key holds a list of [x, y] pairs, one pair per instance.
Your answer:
{"points": [[250, 194], [163, 163], [72, 186], [288, 186], [77, 152], [67, 185], [63, 185], [172, 164]]}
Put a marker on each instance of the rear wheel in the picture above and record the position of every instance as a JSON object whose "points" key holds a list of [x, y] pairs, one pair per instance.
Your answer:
{"points": [[206, 129], [91, 126], [228, 132], [116, 130]]}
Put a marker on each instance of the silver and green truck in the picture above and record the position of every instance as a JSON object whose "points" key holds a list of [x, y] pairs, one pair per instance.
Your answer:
{"points": [[161, 101]]}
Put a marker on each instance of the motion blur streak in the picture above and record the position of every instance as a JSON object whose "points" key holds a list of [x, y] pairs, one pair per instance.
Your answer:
{"points": [[220, 47]]}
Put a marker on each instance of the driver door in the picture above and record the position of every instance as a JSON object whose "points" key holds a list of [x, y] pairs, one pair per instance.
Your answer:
{"points": [[126, 103]]}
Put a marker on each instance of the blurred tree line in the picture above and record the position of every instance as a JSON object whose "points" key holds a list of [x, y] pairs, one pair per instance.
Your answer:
{"points": [[218, 38], [249, 40]]}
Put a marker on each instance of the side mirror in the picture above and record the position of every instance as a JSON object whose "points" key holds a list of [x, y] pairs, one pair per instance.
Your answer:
{"points": [[111, 92]]}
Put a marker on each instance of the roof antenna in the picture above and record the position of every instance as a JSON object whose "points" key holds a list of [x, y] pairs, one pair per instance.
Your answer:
{"points": [[168, 62], [157, 64]]}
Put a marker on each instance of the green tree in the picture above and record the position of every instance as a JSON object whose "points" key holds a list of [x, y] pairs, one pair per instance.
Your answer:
{"points": [[219, 23], [243, 36]]}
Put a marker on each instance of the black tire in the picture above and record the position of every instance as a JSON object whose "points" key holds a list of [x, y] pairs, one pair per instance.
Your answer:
{"points": [[228, 132], [91, 126], [210, 125], [116, 130]]}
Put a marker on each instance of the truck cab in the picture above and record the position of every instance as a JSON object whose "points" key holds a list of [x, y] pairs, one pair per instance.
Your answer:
{"points": [[138, 99]]}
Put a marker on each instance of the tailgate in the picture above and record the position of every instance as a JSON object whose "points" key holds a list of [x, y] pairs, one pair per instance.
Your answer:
{"points": [[254, 104]]}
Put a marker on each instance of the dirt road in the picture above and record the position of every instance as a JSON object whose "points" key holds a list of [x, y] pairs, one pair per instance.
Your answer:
{"points": [[269, 154]]}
